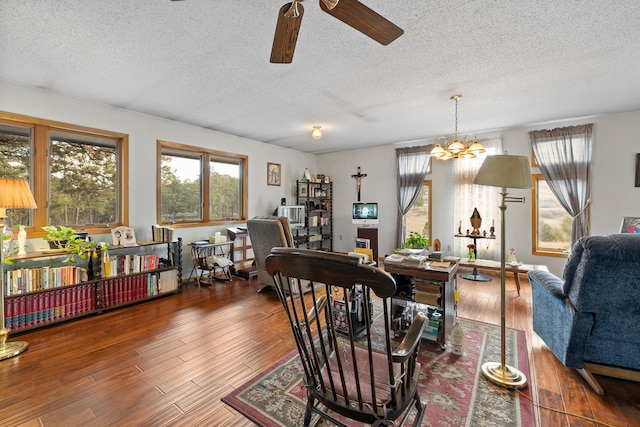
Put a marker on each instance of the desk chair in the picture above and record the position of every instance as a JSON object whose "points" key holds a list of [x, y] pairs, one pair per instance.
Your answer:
{"points": [[267, 232], [349, 369], [210, 259]]}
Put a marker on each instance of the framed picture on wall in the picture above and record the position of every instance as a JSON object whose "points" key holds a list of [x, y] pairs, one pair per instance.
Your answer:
{"points": [[274, 174], [630, 224]]}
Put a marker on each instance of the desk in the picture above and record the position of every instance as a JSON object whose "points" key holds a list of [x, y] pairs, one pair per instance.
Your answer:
{"points": [[433, 287], [211, 257], [474, 275]]}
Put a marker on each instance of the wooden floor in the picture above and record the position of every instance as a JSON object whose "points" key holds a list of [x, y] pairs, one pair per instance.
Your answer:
{"points": [[168, 362]]}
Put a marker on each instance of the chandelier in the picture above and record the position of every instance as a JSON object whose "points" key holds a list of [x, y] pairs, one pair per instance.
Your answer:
{"points": [[454, 149]]}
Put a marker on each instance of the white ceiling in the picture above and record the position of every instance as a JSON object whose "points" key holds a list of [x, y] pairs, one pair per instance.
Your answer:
{"points": [[206, 62]]}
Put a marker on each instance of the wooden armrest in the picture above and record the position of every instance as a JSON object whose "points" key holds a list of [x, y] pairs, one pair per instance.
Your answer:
{"points": [[411, 339]]}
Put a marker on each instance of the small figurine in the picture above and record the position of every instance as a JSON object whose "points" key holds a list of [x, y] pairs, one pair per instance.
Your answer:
{"points": [[492, 230], [484, 233], [512, 256], [476, 221]]}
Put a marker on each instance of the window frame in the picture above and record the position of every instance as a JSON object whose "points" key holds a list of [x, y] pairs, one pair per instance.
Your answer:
{"points": [[429, 184], [39, 175], [561, 253], [206, 157]]}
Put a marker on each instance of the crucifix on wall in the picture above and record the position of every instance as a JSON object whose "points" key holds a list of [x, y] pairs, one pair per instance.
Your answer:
{"points": [[358, 176]]}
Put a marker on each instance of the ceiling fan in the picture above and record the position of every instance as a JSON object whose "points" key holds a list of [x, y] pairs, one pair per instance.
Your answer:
{"points": [[351, 12]]}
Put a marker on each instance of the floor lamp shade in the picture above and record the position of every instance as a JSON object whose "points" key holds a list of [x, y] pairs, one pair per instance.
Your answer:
{"points": [[14, 193], [504, 171]]}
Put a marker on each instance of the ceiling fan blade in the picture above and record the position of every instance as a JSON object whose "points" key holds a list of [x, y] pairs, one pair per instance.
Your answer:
{"points": [[363, 19], [287, 28]]}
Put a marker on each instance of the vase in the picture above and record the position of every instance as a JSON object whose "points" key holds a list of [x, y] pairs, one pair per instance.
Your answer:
{"points": [[472, 255], [22, 241]]}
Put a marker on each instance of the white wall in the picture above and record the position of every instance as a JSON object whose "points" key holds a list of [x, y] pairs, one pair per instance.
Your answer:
{"points": [[143, 131], [613, 191], [613, 194]]}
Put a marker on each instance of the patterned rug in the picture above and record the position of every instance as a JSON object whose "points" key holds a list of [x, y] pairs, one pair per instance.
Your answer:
{"points": [[456, 392]]}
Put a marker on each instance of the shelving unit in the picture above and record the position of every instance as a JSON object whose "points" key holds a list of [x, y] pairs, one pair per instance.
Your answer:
{"points": [[428, 290], [317, 233], [42, 289]]}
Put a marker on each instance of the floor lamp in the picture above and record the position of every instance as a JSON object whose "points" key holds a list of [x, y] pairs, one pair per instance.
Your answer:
{"points": [[504, 171], [14, 193]]}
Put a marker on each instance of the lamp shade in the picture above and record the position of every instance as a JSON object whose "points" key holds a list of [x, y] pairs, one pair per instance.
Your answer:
{"points": [[505, 171], [15, 193]]}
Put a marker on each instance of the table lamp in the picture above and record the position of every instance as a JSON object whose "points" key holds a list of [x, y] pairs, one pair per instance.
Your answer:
{"points": [[504, 171], [14, 193]]}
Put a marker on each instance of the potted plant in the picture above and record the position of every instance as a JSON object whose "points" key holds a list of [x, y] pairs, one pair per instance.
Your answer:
{"points": [[416, 241], [69, 240]]}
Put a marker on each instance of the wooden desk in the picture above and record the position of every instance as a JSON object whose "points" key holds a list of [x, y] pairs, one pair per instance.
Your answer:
{"points": [[487, 264], [433, 287], [204, 253]]}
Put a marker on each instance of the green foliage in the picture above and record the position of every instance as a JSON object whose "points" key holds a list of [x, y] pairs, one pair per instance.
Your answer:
{"points": [[182, 198], [66, 239], [83, 183], [416, 240]]}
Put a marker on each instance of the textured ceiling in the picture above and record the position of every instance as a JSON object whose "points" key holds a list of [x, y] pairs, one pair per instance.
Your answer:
{"points": [[206, 62]]}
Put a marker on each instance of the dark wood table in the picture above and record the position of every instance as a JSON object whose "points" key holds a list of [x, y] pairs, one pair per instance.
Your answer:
{"points": [[439, 286]]}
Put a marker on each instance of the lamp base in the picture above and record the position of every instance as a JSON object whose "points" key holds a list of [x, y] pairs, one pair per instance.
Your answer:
{"points": [[10, 349], [504, 375]]}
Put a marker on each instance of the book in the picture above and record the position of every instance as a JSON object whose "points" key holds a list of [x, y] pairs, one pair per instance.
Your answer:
{"points": [[160, 233], [393, 259], [414, 260]]}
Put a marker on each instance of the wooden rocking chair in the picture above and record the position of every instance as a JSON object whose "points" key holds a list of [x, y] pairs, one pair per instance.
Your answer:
{"points": [[351, 368]]}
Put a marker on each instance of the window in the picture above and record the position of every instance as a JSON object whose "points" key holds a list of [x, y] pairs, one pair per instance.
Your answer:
{"points": [[193, 177], [78, 175], [418, 219], [552, 223]]}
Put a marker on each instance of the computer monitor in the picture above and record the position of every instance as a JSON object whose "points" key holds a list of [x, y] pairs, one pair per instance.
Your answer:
{"points": [[296, 214], [365, 213]]}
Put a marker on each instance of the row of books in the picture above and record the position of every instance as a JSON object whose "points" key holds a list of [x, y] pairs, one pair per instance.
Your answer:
{"points": [[24, 280], [26, 311], [122, 290], [126, 289], [35, 309], [161, 233], [116, 265]]}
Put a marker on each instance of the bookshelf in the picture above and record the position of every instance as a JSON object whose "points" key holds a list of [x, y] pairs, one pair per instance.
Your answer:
{"points": [[42, 289], [317, 233]]}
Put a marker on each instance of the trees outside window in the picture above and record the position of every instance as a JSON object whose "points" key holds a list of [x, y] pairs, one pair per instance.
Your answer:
{"points": [[418, 219], [552, 223], [194, 177], [78, 175]]}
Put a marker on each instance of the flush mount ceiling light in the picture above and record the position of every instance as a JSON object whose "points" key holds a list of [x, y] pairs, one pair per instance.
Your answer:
{"points": [[316, 133], [447, 149]]}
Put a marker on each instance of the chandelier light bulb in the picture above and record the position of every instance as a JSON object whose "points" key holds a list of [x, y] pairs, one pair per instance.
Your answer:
{"points": [[456, 148]]}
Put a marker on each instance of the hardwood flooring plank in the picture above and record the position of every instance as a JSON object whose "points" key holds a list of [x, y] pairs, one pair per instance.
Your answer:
{"points": [[169, 361]]}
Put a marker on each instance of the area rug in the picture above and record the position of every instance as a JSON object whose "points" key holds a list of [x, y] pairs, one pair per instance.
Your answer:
{"points": [[456, 392]]}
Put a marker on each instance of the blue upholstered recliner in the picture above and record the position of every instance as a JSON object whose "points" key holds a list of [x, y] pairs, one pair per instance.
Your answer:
{"points": [[591, 320]]}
